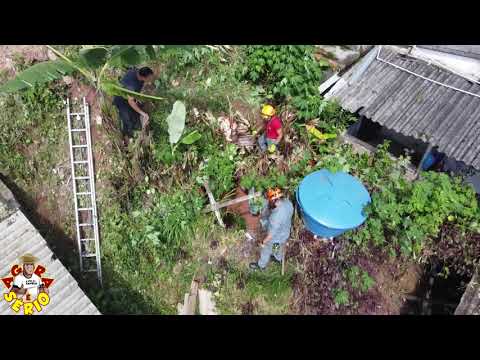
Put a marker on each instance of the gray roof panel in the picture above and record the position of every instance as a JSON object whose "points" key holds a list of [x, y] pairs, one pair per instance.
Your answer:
{"points": [[17, 237], [414, 106]]}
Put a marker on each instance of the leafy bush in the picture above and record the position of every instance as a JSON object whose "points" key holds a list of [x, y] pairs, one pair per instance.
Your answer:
{"points": [[287, 73], [403, 215], [218, 169], [160, 229], [261, 183]]}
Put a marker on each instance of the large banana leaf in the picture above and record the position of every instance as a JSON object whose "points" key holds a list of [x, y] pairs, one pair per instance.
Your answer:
{"points": [[191, 138], [176, 122], [94, 57], [40, 73], [122, 55]]}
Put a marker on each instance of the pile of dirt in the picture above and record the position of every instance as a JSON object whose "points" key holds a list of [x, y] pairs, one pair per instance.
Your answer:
{"points": [[458, 251]]}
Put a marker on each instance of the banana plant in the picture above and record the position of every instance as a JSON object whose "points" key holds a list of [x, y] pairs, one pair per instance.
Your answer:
{"points": [[92, 63], [176, 126]]}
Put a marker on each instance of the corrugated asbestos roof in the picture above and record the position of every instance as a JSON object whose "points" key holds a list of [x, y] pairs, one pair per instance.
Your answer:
{"points": [[470, 51], [17, 237], [414, 106]]}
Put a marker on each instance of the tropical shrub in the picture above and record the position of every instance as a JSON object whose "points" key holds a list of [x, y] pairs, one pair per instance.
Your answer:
{"points": [[287, 73]]}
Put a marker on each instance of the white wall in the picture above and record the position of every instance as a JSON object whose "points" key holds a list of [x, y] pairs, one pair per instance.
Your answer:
{"points": [[464, 66]]}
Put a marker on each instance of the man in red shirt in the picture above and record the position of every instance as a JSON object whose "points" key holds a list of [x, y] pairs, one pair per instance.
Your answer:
{"points": [[273, 130]]}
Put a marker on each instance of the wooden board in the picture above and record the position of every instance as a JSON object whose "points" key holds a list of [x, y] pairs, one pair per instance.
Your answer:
{"points": [[213, 203], [206, 303], [231, 202]]}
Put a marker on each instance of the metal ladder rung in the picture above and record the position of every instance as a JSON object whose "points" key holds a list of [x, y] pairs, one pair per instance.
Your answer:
{"points": [[80, 162], [87, 239], [85, 209], [76, 114], [88, 255], [77, 130], [79, 146], [84, 193], [82, 178], [85, 224], [90, 270]]}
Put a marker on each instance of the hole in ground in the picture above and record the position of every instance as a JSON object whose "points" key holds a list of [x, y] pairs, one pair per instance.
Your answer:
{"points": [[436, 294]]}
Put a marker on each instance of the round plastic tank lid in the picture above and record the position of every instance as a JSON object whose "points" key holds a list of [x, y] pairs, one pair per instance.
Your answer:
{"points": [[335, 200]]}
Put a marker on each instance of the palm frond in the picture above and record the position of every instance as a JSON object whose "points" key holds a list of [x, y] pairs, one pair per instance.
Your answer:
{"points": [[40, 73]]}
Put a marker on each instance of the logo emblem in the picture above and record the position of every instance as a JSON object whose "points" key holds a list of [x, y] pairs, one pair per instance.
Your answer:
{"points": [[27, 288]]}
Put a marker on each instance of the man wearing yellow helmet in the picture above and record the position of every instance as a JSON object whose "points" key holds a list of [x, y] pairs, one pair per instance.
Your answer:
{"points": [[273, 129], [279, 214]]}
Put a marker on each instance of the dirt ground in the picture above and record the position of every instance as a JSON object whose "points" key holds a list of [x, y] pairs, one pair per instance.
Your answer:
{"points": [[29, 52], [394, 288]]}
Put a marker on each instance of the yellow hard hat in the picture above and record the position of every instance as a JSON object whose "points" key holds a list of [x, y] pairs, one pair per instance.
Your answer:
{"points": [[268, 110]]}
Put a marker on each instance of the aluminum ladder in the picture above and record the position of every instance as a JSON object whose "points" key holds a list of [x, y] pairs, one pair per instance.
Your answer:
{"points": [[83, 181]]}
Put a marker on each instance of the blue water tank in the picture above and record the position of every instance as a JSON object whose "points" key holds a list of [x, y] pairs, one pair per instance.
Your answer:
{"points": [[332, 203]]}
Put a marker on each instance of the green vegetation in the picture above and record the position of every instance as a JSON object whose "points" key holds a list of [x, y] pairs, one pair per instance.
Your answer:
{"points": [[359, 279], [91, 62], [34, 116], [341, 297], [292, 74], [155, 238], [404, 215]]}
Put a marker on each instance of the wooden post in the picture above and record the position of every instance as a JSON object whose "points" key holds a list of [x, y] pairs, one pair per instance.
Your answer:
{"points": [[231, 202], [190, 300], [213, 203]]}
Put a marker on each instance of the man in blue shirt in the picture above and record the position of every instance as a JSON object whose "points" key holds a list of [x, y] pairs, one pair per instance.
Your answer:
{"points": [[279, 223], [129, 109]]}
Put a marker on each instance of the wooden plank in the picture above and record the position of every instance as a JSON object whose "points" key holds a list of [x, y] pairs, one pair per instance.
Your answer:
{"points": [[329, 82], [190, 300], [231, 202], [206, 303], [185, 303], [213, 204], [193, 297]]}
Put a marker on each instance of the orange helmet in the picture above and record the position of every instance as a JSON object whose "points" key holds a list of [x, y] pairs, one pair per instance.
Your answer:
{"points": [[274, 194]]}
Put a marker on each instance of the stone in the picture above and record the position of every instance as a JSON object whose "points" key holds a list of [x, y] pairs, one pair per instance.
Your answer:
{"points": [[68, 80], [341, 55]]}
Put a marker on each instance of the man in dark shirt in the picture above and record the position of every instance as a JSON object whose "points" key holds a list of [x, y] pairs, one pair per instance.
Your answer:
{"points": [[129, 110]]}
